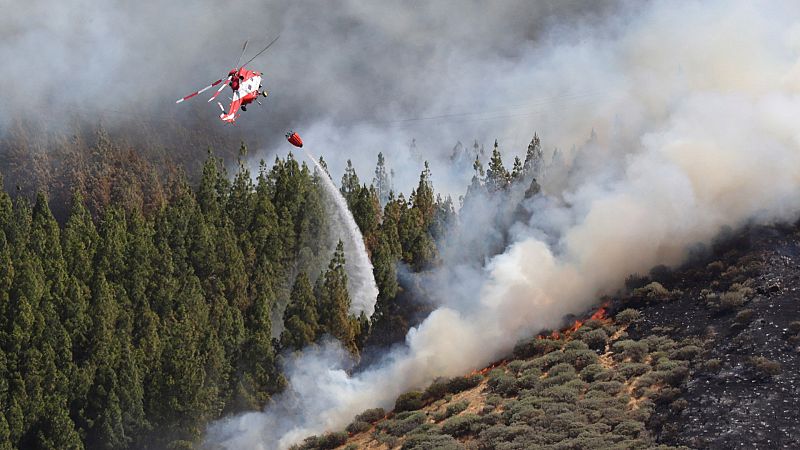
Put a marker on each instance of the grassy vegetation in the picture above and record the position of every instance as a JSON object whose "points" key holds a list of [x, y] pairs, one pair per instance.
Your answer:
{"points": [[593, 389]]}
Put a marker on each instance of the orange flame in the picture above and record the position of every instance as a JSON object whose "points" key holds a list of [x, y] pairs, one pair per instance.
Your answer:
{"points": [[601, 314], [488, 368]]}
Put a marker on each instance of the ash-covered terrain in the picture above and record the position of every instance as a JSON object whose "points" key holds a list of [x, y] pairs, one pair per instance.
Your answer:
{"points": [[746, 307]]}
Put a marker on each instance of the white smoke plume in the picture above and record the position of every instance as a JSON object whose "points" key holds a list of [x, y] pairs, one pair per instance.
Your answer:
{"points": [[360, 280], [695, 105]]}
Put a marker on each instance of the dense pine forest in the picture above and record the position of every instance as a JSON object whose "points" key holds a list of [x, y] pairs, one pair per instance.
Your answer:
{"points": [[132, 318]]}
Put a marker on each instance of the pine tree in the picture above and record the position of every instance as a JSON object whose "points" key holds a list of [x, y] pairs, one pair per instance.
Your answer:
{"points": [[6, 280], [334, 301], [324, 166], [289, 184], [56, 430], [444, 217], [477, 166], [362, 328], [258, 355], [6, 209], [300, 317], [239, 205], [114, 241], [181, 397], [366, 212], [313, 229], [350, 184], [79, 241], [516, 171], [25, 339], [208, 195], [497, 177], [5, 433], [45, 243], [534, 159], [392, 213], [381, 181], [383, 268], [422, 199]]}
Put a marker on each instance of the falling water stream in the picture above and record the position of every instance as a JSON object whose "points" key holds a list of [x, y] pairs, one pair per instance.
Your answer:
{"points": [[360, 280]]}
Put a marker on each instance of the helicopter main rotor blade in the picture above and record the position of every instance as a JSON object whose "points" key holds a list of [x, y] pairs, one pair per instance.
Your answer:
{"points": [[219, 90], [244, 47], [262, 51], [201, 90]]}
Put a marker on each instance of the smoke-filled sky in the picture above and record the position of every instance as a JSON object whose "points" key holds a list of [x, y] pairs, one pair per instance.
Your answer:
{"points": [[344, 74]]}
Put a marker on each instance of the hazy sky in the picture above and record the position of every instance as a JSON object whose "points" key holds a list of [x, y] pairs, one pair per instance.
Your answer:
{"points": [[345, 74]]}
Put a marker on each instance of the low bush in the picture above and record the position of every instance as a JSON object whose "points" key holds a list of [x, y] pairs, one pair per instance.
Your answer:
{"points": [[629, 428], [730, 300], [324, 442], [712, 365], [332, 440], [436, 390], [371, 415], [575, 345], [744, 316], [460, 425], [549, 360], [451, 410], [386, 439], [686, 353], [494, 400], [678, 405], [561, 394], [505, 435], [535, 347], [595, 339], [652, 290], [664, 395], [358, 426], [558, 379], [516, 366], [425, 441], [460, 384], [580, 358], [410, 401], [528, 382], [632, 369], [628, 316], [633, 350], [502, 383], [672, 374], [610, 387], [766, 366], [592, 372], [561, 369], [402, 424], [659, 344]]}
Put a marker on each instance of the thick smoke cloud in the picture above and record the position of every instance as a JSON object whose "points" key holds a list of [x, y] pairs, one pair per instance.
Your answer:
{"points": [[695, 107], [340, 74]]}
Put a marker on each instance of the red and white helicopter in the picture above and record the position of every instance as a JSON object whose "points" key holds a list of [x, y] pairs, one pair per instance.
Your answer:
{"points": [[245, 83]]}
